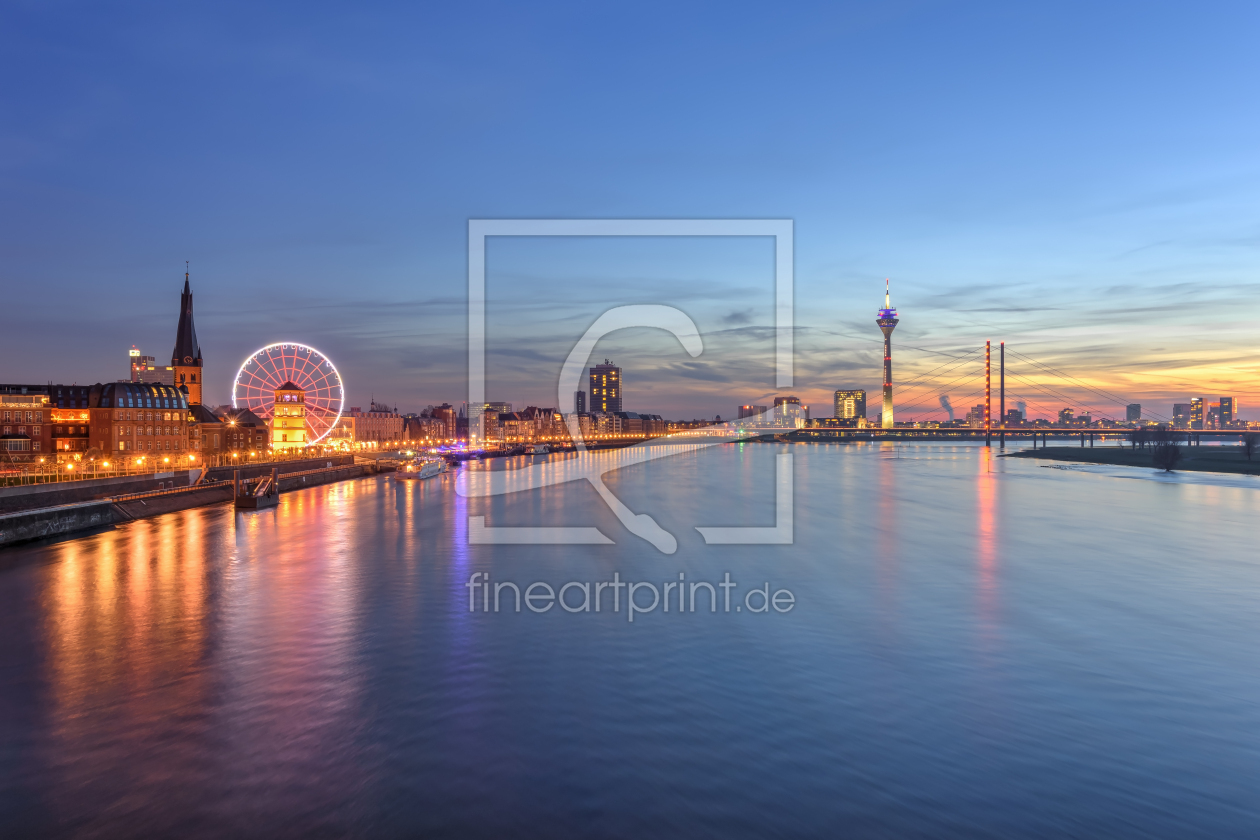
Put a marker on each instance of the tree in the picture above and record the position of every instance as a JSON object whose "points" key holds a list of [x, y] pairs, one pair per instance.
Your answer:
{"points": [[1165, 453]]}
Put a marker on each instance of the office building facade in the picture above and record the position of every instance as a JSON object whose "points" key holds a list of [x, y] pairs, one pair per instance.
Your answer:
{"points": [[751, 410], [146, 369], [605, 388], [1228, 411], [850, 405]]}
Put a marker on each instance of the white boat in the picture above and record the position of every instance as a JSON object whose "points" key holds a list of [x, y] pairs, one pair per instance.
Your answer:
{"points": [[427, 468], [539, 449]]}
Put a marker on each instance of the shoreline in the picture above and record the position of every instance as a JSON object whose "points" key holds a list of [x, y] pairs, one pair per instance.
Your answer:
{"points": [[1218, 459]]}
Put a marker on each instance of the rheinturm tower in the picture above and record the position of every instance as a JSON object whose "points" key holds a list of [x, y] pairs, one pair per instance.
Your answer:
{"points": [[186, 358], [887, 321]]}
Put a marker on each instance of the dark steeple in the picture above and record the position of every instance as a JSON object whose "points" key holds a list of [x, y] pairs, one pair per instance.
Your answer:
{"points": [[187, 350]]}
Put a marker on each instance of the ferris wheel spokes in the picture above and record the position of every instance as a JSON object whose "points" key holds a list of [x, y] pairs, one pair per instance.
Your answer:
{"points": [[272, 366]]}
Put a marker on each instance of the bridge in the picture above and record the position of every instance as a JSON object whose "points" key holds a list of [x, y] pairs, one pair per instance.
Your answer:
{"points": [[981, 375], [1037, 434]]}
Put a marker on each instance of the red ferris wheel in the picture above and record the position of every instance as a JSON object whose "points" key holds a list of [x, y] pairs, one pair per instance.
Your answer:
{"points": [[276, 364]]}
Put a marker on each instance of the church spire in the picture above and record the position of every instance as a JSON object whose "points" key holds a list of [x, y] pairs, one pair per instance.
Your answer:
{"points": [[187, 351], [186, 357]]}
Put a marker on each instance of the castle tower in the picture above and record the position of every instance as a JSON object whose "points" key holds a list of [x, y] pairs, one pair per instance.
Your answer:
{"points": [[186, 357], [288, 419], [887, 321]]}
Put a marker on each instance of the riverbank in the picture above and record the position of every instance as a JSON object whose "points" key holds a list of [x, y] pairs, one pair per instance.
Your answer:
{"points": [[1221, 459], [58, 520]]}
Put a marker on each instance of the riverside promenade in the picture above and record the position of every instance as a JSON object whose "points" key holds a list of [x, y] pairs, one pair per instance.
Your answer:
{"points": [[49, 510]]}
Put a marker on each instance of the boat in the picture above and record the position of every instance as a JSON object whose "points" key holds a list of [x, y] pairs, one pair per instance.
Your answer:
{"points": [[422, 468], [538, 449]]}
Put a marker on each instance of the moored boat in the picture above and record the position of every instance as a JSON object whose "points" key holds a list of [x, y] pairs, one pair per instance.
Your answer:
{"points": [[422, 468]]}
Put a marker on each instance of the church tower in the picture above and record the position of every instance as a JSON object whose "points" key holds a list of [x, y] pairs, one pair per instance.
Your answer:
{"points": [[186, 358]]}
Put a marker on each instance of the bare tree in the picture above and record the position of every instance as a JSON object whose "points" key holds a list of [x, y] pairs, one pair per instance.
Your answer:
{"points": [[1165, 453], [1249, 445]]}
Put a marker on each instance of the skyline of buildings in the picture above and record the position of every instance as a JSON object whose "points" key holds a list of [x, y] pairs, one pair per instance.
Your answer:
{"points": [[605, 385]]}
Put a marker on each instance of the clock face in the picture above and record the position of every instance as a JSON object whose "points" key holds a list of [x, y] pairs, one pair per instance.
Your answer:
{"points": [[188, 360]]}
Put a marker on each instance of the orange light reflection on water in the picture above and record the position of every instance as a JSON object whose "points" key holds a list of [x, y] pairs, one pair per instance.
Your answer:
{"points": [[987, 540]]}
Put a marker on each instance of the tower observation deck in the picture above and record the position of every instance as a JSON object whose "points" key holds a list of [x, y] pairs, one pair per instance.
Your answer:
{"points": [[887, 321]]}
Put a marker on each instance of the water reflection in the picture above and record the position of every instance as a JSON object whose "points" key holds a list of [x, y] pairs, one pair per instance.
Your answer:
{"points": [[986, 534], [980, 648]]}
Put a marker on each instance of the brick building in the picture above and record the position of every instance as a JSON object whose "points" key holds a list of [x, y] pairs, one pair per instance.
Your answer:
{"points": [[25, 433], [136, 420]]}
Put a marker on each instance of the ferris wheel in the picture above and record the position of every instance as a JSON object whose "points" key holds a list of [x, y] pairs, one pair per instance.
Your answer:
{"points": [[276, 364]]}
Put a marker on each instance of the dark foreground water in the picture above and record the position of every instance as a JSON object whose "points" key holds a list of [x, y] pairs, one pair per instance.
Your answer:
{"points": [[979, 648]]}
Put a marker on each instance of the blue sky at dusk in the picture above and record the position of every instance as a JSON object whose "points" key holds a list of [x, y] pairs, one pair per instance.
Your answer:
{"points": [[1079, 180]]}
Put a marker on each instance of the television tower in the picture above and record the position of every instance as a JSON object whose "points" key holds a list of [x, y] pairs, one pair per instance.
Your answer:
{"points": [[887, 321]]}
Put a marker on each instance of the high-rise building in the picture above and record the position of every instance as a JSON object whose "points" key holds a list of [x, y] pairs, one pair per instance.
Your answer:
{"points": [[605, 387], [579, 402], [1133, 412], [788, 412], [288, 423], [1181, 415], [850, 405], [1198, 413], [146, 369], [1229, 411], [887, 321], [1065, 417], [751, 410], [186, 357]]}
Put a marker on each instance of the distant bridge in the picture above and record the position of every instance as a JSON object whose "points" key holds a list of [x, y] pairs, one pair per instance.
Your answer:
{"points": [[1040, 434]]}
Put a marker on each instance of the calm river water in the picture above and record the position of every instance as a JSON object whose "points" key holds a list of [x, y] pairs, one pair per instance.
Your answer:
{"points": [[979, 647]]}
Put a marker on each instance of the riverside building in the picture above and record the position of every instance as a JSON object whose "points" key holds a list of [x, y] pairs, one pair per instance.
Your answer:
{"points": [[288, 421], [605, 387], [850, 405]]}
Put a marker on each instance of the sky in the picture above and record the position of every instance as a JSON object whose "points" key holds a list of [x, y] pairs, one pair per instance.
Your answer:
{"points": [[1079, 180]]}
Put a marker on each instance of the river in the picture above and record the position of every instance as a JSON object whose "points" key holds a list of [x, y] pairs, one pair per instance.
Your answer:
{"points": [[973, 647]]}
